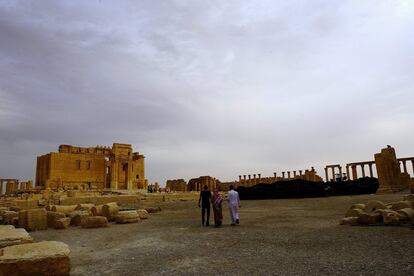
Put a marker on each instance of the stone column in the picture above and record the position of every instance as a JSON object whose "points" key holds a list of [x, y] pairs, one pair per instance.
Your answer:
{"points": [[404, 166], [1, 187], [294, 174], [371, 174], [326, 174], [300, 172], [363, 170], [250, 180], [340, 172], [333, 174], [354, 172], [260, 177], [240, 179], [347, 173], [288, 174], [283, 175], [254, 179], [412, 164], [244, 179]]}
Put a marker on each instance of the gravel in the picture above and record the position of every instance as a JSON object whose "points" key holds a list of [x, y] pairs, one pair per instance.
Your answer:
{"points": [[275, 237]]}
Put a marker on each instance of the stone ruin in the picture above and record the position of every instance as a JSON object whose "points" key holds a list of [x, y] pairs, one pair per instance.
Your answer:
{"points": [[376, 212], [388, 169]]}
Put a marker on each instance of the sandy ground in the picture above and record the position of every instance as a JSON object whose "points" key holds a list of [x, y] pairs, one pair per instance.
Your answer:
{"points": [[279, 237]]}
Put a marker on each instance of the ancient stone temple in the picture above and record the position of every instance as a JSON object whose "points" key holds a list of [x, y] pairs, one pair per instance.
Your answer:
{"points": [[176, 185], [92, 168], [197, 184]]}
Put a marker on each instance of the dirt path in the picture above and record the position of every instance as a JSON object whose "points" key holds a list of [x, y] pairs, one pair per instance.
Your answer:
{"points": [[280, 237]]}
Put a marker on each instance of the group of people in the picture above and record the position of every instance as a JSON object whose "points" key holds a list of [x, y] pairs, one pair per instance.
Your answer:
{"points": [[216, 200]]}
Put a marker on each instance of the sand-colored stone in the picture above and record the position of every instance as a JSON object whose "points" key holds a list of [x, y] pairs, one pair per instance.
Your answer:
{"points": [[390, 177], [62, 223], [76, 217], [52, 217], [85, 206], [358, 206], [9, 235], [197, 184], [97, 210], [127, 217], [110, 210], [373, 205], [33, 220], [25, 204], [66, 209], [143, 214], [401, 205], [176, 185], [42, 258], [94, 222], [92, 168], [407, 213], [353, 213], [9, 217], [153, 209], [369, 218]]}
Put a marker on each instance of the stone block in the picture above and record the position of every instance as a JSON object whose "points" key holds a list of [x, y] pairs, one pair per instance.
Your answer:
{"points": [[127, 217], [9, 235], [407, 214], [369, 218], [62, 223], [143, 214], [33, 220], [401, 205], [66, 209], [94, 222], [353, 213], [97, 210], [153, 209], [25, 204], [77, 216], [52, 217], [42, 258], [110, 210], [374, 205]]}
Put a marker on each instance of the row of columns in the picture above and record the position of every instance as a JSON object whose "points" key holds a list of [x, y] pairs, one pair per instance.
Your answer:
{"points": [[13, 185], [248, 178], [354, 170], [404, 163]]}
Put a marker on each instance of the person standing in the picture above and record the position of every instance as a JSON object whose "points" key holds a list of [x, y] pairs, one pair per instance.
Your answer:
{"points": [[205, 196], [234, 204], [216, 201]]}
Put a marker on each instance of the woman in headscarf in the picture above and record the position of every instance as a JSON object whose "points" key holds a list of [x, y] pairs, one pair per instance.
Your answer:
{"points": [[216, 201]]}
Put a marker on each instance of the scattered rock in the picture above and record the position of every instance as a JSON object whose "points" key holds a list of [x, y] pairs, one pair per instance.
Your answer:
{"points": [[348, 221], [9, 235], [153, 209], [94, 222], [143, 214], [374, 205], [127, 217], [370, 218], [62, 223], [110, 210], [42, 258], [401, 205]]}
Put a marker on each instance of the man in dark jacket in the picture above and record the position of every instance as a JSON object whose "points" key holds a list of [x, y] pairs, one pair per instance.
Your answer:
{"points": [[205, 197]]}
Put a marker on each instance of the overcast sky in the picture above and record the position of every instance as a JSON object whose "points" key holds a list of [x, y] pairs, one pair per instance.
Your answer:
{"points": [[217, 88]]}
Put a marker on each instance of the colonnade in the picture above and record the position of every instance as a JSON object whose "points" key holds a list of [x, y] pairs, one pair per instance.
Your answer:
{"points": [[403, 161]]}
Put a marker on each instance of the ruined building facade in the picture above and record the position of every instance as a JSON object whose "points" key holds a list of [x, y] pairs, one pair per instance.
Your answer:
{"points": [[92, 168]]}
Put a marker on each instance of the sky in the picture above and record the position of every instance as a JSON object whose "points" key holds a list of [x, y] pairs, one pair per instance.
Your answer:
{"points": [[218, 88]]}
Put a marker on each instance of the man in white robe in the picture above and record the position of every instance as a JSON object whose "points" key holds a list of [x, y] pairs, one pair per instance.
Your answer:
{"points": [[234, 204]]}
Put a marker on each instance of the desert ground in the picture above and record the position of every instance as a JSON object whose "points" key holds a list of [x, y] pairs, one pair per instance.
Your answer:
{"points": [[278, 237]]}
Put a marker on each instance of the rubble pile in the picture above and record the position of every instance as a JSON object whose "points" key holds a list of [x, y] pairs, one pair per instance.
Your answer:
{"points": [[376, 212], [86, 215]]}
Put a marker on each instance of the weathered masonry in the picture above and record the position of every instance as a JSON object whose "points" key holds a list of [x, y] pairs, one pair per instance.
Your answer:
{"points": [[92, 168]]}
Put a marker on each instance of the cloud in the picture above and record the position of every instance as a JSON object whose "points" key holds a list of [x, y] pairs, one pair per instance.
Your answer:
{"points": [[219, 88]]}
